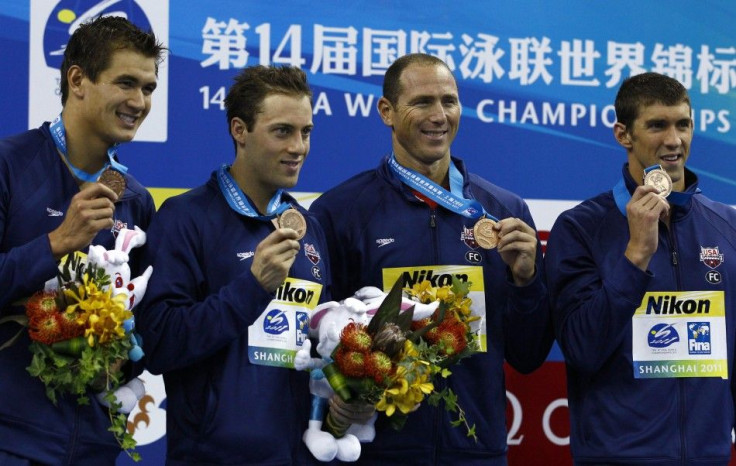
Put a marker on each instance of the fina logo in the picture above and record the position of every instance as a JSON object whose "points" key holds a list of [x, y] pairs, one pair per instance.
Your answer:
{"points": [[698, 337], [68, 15], [275, 322], [662, 336], [302, 327]]}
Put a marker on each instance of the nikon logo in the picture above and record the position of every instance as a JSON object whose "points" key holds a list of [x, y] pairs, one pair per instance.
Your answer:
{"points": [[412, 278], [672, 305], [292, 294]]}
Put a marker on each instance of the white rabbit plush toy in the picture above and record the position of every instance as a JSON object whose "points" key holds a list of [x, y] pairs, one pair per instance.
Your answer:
{"points": [[115, 264]]}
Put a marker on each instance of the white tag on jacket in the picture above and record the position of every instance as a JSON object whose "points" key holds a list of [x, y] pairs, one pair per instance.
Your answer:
{"points": [[281, 329], [680, 334]]}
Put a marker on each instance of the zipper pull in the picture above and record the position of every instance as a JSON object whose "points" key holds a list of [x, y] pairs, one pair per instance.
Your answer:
{"points": [[674, 257], [432, 222]]}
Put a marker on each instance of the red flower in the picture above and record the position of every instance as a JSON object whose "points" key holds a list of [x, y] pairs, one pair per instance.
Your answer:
{"points": [[378, 366], [451, 337], [45, 329], [351, 363], [355, 337], [69, 326], [420, 324], [42, 303]]}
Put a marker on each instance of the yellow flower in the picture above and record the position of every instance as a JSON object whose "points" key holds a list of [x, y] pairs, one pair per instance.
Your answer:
{"points": [[462, 307], [408, 388], [409, 350], [100, 313], [424, 292], [446, 295]]}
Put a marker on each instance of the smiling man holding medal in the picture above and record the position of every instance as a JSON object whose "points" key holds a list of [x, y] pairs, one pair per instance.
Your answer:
{"points": [[642, 302], [239, 268], [62, 189], [422, 214]]}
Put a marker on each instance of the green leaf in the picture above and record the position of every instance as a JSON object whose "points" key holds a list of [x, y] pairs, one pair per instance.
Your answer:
{"points": [[398, 420], [459, 287], [38, 365], [404, 319], [388, 311], [434, 398]]}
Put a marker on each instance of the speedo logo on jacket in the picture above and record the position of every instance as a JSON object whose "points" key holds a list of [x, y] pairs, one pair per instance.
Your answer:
{"points": [[410, 279], [672, 305]]}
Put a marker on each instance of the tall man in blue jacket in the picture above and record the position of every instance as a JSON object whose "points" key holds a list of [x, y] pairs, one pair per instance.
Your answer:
{"points": [[233, 286], [414, 215], [643, 298], [51, 205]]}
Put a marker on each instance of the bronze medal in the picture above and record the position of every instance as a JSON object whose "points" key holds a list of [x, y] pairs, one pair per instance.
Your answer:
{"points": [[484, 234], [292, 218], [660, 180], [114, 180]]}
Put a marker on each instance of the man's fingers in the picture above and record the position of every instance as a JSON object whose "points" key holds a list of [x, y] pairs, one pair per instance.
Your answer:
{"points": [[97, 190], [508, 225]]}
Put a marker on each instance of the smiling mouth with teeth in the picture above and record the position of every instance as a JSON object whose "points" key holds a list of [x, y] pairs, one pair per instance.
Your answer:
{"points": [[127, 118]]}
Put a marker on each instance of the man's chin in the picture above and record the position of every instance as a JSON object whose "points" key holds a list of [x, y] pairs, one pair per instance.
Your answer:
{"points": [[125, 136]]}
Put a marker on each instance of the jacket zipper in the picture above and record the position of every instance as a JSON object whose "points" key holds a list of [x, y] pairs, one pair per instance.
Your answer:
{"points": [[675, 261], [437, 415]]}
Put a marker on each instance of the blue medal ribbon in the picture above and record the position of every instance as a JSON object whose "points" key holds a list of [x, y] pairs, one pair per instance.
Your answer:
{"points": [[452, 200], [240, 203], [652, 168], [58, 134]]}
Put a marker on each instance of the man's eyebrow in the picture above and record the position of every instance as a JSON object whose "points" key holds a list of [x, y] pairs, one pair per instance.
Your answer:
{"points": [[136, 79]]}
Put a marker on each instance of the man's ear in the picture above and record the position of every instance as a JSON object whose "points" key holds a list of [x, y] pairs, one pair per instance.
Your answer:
{"points": [[74, 78], [385, 110], [622, 135], [238, 130]]}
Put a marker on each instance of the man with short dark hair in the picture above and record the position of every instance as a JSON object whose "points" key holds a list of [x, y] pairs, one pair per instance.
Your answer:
{"points": [[51, 205], [640, 283], [416, 214], [237, 263]]}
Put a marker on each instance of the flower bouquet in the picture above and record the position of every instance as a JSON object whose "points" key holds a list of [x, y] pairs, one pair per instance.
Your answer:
{"points": [[81, 330], [391, 362], [81, 334]]}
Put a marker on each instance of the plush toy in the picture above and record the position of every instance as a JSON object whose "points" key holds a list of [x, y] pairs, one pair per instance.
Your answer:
{"points": [[326, 324], [115, 264]]}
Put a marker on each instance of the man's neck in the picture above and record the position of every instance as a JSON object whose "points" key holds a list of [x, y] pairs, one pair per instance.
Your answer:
{"points": [[251, 188], [437, 171], [87, 153]]}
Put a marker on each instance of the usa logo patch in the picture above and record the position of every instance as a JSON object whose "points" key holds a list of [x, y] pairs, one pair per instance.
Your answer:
{"points": [[711, 256], [312, 254], [468, 237]]}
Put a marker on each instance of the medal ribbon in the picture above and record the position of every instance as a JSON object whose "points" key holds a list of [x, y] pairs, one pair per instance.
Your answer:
{"points": [[58, 134], [452, 200], [240, 203], [622, 196]]}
